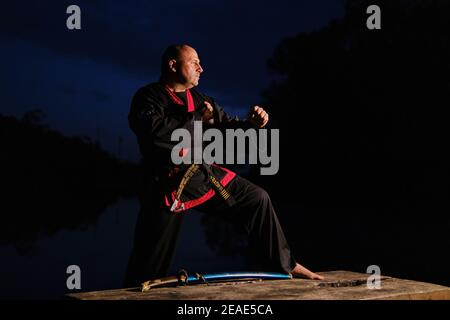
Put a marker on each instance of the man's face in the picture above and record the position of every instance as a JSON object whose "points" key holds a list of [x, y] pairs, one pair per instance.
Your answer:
{"points": [[188, 67]]}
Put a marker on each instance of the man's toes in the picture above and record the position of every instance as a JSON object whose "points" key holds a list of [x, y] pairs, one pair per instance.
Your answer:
{"points": [[317, 277]]}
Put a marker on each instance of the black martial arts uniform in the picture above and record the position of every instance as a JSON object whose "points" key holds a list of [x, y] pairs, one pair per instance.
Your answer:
{"points": [[155, 112]]}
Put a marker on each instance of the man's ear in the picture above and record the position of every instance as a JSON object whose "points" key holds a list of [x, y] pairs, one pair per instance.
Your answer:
{"points": [[172, 65]]}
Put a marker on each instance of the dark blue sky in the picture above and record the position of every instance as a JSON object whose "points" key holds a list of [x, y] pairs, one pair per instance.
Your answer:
{"points": [[84, 79]]}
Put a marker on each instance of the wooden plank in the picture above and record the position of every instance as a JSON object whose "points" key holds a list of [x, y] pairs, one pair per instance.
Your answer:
{"points": [[338, 285]]}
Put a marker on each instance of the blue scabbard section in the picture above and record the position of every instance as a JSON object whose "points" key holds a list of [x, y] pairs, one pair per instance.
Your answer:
{"points": [[230, 276]]}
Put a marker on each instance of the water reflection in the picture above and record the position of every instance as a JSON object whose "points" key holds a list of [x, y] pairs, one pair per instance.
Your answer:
{"points": [[100, 249]]}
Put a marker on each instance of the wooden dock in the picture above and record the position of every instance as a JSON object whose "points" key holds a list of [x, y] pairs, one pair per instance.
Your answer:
{"points": [[338, 285]]}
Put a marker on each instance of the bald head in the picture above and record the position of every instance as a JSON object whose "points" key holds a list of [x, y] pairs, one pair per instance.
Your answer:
{"points": [[171, 52], [180, 65]]}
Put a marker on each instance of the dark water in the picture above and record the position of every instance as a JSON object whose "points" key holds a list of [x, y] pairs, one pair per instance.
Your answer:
{"points": [[100, 250], [323, 239]]}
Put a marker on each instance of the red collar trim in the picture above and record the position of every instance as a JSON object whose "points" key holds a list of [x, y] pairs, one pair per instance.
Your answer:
{"points": [[177, 100]]}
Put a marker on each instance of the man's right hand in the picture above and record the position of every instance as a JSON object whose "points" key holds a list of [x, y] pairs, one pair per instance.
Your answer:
{"points": [[258, 117]]}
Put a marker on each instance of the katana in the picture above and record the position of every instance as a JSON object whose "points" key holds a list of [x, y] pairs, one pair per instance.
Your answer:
{"points": [[183, 278]]}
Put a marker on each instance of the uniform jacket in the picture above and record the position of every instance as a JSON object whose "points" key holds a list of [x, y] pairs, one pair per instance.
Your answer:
{"points": [[154, 114]]}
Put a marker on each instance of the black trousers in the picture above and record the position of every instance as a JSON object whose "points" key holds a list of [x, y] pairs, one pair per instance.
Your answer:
{"points": [[157, 231]]}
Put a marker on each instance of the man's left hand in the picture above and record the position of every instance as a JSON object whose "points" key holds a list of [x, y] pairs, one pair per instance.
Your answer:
{"points": [[258, 117]]}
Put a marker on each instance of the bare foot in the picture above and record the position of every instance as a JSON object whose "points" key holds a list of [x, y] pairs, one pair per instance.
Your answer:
{"points": [[301, 272]]}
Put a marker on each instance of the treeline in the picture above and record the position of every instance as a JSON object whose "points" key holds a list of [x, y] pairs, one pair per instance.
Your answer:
{"points": [[49, 181], [362, 113]]}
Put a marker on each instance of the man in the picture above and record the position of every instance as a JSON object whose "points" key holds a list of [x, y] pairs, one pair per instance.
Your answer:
{"points": [[156, 111]]}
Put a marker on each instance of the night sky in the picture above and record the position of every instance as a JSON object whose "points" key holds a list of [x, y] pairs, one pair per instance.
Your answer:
{"points": [[84, 79]]}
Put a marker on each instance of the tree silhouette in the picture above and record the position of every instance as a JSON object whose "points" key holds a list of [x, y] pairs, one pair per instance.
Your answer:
{"points": [[361, 112], [50, 181]]}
